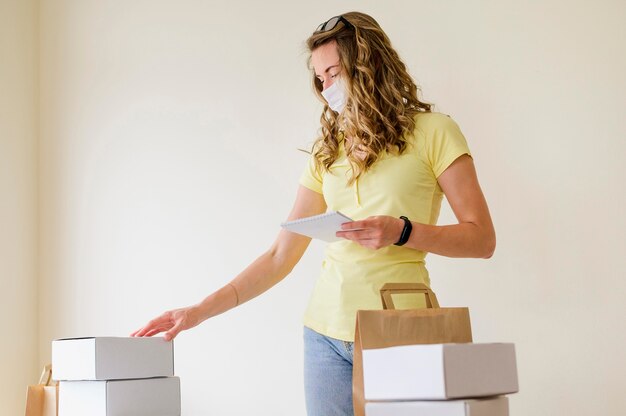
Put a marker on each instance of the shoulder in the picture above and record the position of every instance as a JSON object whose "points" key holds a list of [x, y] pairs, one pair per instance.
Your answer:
{"points": [[429, 127], [438, 140], [428, 123]]}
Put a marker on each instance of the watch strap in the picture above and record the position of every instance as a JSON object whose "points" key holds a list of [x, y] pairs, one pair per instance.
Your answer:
{"points": [[406, 231]]}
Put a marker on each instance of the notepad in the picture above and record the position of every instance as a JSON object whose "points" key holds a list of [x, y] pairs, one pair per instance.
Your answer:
{"points": [[323, 226]]}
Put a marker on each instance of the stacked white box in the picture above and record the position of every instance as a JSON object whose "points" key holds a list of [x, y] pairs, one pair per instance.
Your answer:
{"points": [[491, 406], [112, 376], [424, 379]]}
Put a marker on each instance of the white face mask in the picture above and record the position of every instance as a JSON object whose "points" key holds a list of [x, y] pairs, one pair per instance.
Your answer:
{"points": [[335, 96]]}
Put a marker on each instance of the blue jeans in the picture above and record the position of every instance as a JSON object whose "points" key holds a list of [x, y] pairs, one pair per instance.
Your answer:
{"points": [[327, 375]]}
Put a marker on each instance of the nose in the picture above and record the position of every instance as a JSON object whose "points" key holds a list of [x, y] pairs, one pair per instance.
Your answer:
{"points": [[327, 83]]}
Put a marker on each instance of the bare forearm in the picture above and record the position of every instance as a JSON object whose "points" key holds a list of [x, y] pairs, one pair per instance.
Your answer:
{"points": [[258, 277], [271, 267], [459, 240]]}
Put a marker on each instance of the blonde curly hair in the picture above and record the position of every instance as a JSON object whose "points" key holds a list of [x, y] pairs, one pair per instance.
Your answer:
{"points": [[382, 98]]}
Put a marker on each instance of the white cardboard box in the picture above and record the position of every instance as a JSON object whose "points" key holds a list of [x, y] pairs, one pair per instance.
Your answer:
{"points": [[112, 358], [439, 371], [492, 406], [146, 397]]}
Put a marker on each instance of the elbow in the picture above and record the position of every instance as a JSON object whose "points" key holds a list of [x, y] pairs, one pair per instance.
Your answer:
{"points": [[283, 264], [489, 246]]}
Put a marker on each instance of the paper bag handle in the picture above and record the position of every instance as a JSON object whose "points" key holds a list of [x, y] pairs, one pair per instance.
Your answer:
{"points": [[389, 289], [46, 376]]}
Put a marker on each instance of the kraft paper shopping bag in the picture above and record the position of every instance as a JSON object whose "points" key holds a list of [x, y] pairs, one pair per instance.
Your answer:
{"points": [[43, 399], [390, 327]]}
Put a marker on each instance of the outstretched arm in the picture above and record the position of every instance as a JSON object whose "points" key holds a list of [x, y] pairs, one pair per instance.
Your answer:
{"points": [[266, 271]]}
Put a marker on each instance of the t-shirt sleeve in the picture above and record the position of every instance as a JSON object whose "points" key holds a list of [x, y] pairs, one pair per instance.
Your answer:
{"points": [[310, 177], [444, 143]]}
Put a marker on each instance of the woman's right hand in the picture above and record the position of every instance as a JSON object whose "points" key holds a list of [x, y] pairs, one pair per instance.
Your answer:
{"points": [[171, 322]]}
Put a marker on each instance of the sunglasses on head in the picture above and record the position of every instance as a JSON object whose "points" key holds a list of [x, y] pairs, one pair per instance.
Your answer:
{"points": [[331, 23]]}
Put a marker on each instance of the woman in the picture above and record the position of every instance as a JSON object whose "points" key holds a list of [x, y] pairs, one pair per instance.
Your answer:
{"points": [[383, 159]]}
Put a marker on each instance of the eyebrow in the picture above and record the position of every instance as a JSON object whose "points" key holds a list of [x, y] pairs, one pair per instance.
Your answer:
{"points": [[329, 68]]}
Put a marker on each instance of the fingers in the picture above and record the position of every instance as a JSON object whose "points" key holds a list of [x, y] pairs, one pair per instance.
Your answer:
{"points": [[171, 322], [140, 332], [367, 238], [365, 230], [373, 232], [160, 324], [356, 225], [146, 331], [357, 230], [154, 331], [171, 334], [360, 235]]}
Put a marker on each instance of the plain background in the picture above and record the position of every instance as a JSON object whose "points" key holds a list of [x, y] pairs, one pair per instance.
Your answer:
{"points": [[148, 152]]}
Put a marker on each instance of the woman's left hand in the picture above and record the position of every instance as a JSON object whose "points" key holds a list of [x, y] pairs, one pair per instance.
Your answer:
{"points": [[373, 232]]}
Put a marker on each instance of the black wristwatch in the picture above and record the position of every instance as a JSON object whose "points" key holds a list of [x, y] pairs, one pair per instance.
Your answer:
{"points": [[406, 231]]}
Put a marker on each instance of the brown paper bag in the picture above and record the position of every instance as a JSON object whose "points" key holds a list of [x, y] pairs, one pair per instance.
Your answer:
{"points": [[43, 399], [390, 327]]}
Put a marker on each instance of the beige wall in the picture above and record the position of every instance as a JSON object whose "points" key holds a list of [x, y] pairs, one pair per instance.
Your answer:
{"points": [[18, 202], [168, 159]]}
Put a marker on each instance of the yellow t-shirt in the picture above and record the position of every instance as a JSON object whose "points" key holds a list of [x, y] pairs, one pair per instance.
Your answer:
{"points": [[407, 185]]}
